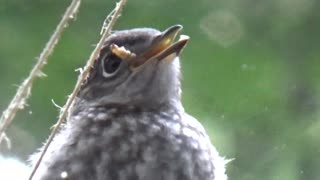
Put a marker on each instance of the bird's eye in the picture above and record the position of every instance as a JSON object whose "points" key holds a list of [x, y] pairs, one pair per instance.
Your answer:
{"points": [[110, 65]]}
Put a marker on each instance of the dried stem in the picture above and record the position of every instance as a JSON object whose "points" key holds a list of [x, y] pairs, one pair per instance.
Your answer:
{"points": [[107, 27], [23, 92]]}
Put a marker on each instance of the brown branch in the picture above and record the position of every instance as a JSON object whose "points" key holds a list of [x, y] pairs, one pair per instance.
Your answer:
{"points": [[23, 92], [107, 27]]}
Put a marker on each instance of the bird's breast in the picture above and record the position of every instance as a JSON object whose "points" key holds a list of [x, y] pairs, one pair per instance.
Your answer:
{"points": [[118, 143]]}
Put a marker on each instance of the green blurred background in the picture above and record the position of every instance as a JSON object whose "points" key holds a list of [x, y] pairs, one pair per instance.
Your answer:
{"points": [[250, 74]]}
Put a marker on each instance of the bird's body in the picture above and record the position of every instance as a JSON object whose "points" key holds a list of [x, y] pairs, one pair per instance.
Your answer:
{"points": [[141, 133]]}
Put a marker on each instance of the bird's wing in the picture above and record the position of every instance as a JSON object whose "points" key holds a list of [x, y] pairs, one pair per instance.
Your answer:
{"points": [[209, 152]]}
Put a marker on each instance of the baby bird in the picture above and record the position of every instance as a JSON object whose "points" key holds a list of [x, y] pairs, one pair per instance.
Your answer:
{"points": [[128, 123]]}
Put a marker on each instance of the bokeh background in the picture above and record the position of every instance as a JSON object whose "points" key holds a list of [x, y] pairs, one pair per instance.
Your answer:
{"points": [[250, 74]]}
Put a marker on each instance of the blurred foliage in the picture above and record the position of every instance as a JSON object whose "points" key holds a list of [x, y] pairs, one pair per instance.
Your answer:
{"points": [[250, 74]]}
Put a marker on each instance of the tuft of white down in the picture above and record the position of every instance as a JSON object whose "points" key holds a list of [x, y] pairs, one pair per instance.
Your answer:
{"points": [[13, 169]]}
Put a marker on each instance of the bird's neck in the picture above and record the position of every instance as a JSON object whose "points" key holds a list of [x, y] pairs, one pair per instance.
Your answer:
{"points": [[81, 105]]}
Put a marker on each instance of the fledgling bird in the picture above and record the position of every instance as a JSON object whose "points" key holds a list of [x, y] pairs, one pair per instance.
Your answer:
{"points": [[128, 122]]}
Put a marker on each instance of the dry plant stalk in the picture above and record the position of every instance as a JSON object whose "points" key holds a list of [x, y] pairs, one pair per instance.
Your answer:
{"points": [[106, 31], [23, 92]]}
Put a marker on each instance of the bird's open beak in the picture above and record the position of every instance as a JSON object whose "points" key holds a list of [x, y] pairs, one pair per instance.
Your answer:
{"points": [[163, 46]]}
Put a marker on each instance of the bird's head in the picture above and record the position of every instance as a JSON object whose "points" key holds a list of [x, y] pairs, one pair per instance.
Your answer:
{"points": [[139, 66]]}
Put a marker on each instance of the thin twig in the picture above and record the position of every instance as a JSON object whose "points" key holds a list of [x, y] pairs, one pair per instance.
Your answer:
{"points": [[23, 92], [83, 75]]}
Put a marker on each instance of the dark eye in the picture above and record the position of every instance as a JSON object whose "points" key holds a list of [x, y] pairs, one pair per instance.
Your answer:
{"points": [[110, 65]]}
